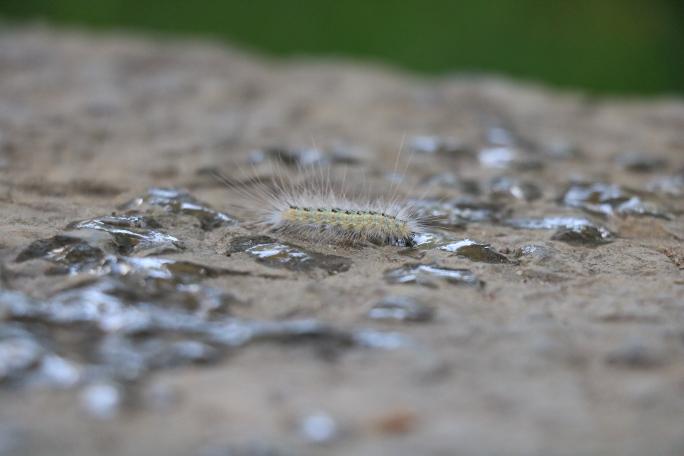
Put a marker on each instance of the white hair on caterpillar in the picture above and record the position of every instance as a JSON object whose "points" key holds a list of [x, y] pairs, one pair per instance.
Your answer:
{"points": [[314, 206]]}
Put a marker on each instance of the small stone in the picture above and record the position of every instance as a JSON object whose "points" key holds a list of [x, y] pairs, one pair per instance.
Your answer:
{"points": [[584, 234], [510, 187], [180, 201], [427, 274], [672, 186], [132, 234], [638, 162], [498, 157], [59, 372], [279, 254], [574, 229], [402, 308], [437, 145], [319, 428], [610, 199], [18, 354], [102, 400], [475, 251], [635, 353], [296, 157], [536, 251]]}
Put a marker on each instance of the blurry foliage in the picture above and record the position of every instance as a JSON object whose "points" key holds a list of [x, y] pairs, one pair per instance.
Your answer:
{"points": [[610, 46]]}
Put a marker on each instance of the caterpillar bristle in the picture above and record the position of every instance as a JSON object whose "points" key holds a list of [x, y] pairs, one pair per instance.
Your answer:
{"points": [[314, 207]]}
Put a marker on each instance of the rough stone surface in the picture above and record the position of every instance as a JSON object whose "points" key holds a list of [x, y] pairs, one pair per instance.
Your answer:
{"points": [[578, 351]]}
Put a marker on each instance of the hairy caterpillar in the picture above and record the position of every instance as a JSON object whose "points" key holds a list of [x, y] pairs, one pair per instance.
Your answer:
{"points": [[312, 206]]}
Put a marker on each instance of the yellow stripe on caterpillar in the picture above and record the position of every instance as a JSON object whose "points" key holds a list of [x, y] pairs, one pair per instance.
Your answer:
{"points": [[354, 221]]}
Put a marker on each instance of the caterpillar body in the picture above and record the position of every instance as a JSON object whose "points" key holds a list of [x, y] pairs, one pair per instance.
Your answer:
{"points": [[322, 212]]}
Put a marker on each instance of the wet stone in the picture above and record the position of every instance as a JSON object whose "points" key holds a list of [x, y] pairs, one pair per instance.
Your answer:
{"points": [[327, 338], [456, 214], [296, 157], [498, 135], [102, 400], [177, 271], [610, 199], [319, 428], [672, 186], [640, 162], [427, 240], [438, 145], [277, 254], [450, 180], [636, 353], [503, 157], [582, 234], [57, 372], [180, 201], [401, 308], [17, 355], [381, 340], [559, 149], [563, 224], [121, 331], [506, 187], [536, 251], [72, 254], [475, 251], [133, 304], [429, 274], [132, 234]]}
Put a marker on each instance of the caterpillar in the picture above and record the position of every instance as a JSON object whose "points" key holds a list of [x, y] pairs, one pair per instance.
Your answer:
{"points": [[313, 207]]}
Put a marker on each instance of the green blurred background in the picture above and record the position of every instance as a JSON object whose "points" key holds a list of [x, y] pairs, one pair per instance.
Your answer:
{"points": [[603, 46]]}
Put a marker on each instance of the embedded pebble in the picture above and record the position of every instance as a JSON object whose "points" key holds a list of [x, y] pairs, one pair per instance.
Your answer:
{"points": [[180, 201], [638, 162], [581, 234], [17, 355], [102, 400], [438, 145], [383, 340], [276, 254], [132, 234], [57, 372], [636, 353], [74, 255], [567, 227], [456, 214], [297, 157], [318, 428], [668, 185], [127, 327], [610, 199], [427, 240], [428, 274], [497, 134], [559, 149], [536, 251], [475, 251], [113, 304], [506, 187], [450, 180], [498, 157], [402, 308], [503, 157]]}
